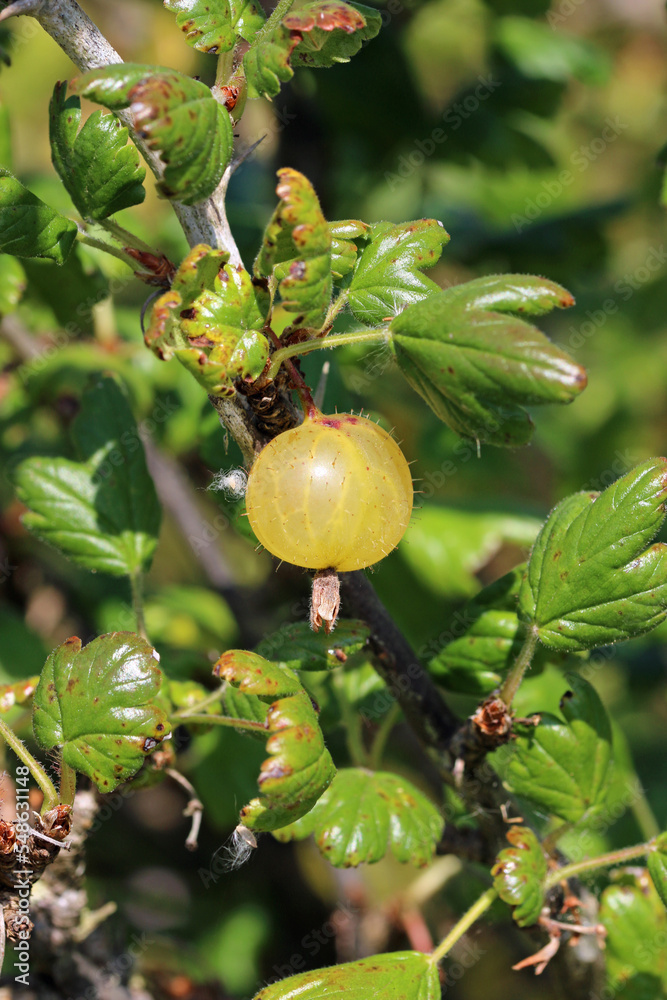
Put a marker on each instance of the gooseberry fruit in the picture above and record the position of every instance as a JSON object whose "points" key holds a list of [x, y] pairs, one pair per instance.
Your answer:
{"points": [[333, 493]]}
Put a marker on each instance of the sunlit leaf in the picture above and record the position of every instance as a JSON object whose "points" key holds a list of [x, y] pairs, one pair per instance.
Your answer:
{"points": [[28, 227], [519, 874], [215, 25], [408, 975]]}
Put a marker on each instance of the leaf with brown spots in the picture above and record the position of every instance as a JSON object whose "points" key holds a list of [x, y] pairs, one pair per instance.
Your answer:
{"points": [[388, 273], [215, 26], [477, 367], [296, 252], [317, 35], [562, 765], [591, 579], [96, 164], [98, 706], [399, 975], [520, 871], [299, 767], [364, 814], [177, 116]]}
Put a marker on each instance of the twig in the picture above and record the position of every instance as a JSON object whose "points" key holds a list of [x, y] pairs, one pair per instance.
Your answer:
{"points": [[194, 808]]}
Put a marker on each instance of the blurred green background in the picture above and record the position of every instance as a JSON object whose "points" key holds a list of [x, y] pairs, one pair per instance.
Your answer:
{"points": [[534, 133]]}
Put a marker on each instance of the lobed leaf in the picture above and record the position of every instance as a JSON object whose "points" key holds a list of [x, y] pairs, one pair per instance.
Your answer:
{"points": [[101, 512], [177, 116], [29, 227], [98, 706], [519, 875], [13, 283], [215, 26], [636, 924], [564, 766], [344, 251], [299, 767], [408, 975], [296, 251], [657, 866], [211, 320], [317, 35], [100, 171], [591, 580], [363, 814], [478, 368], [387, 276], [297, 647]]}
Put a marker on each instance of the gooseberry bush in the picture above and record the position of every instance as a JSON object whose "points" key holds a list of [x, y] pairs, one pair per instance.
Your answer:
{"points": [[513, 794]]}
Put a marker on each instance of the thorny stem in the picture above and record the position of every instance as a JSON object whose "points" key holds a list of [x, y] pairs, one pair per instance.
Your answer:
{"points": [[137, 585], [464, 924], [317, 344], [519, 667], [602, 861], [67, 783], [36, 769], [382, 735]]}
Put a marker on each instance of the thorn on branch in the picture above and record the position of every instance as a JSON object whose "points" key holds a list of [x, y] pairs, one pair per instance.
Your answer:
{"points": [[32, 7]]}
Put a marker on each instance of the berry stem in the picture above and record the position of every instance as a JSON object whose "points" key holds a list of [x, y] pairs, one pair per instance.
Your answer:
{"points": [[298, 381], [464, 924], [337, 340], [590, 864]]}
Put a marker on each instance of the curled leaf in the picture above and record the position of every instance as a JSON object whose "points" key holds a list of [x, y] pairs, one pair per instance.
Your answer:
{"points": [[177, 116], [215, 26], [299, 767], [519, 874]]}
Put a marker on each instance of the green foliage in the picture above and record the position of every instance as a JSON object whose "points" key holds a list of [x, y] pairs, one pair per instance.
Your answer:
{"points": [[591, 581], [97, 166], [344, 251], [387, 276], [316, 35], [519, 874], [363, 814], [210, 320], [296, 251], [563, 766], [478, 368], [409, 975], [297, 647], [176, 116], [97, 705], [299, 767], [215, 26], [657, 866], [12, 283], [636, 924], [102, 511], [30, 228]]}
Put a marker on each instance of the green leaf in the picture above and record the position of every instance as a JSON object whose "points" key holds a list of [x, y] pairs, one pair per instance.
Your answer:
{"points": [[408, 975], [476, 367], [211, 320], [363, 814], [541, 53], [177, 116], [98, 706], [519, 874], [591, 580], [97, 166], [101, 512], [636, 924], [215, 25], [388, 277], [28, 227], [563, 766], [317, 35], [657, 866], [344, 251], [446, 547], [299, 767], [296, 646], [13, 283], [296, 251]]}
